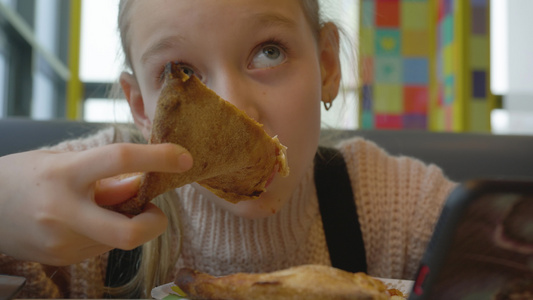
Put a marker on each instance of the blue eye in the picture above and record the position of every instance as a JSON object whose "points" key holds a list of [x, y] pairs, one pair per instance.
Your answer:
{"points": [[271, 52], [268, 56]]}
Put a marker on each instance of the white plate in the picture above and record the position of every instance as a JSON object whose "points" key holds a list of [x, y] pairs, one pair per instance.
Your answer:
{"points": [[165, 292], [403, 286]]}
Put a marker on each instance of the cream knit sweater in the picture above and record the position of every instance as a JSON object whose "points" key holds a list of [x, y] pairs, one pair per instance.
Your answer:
{"points": [[398, 201]]}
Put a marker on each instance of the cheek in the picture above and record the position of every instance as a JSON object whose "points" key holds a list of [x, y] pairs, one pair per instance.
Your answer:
{"points": [[150, 98], [150, 107], [297, 124], [298, 110], [149, 103]]}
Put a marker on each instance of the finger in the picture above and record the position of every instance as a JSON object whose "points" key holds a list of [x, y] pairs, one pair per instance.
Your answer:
{"points": [[111, 160], [112, 191], [119, 231], [157, 221]]}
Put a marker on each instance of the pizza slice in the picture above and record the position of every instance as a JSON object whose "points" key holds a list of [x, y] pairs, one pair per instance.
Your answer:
{"points": [[307, 282], [233, 156]]}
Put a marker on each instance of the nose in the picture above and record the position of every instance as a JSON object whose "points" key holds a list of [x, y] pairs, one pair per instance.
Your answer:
{"points": [[236, 89]]}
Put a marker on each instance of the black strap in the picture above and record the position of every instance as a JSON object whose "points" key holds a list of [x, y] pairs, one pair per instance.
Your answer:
{"points": [[339, 213]]}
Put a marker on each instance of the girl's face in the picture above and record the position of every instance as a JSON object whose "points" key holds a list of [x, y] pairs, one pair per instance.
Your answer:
{"points": [[261, 56]]}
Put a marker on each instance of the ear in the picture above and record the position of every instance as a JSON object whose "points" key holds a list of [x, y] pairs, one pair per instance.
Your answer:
{"points": [[330, 67], [131, 90]]}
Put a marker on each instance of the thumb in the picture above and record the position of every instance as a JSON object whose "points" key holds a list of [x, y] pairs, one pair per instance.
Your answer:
{"points": [[115, 190]]}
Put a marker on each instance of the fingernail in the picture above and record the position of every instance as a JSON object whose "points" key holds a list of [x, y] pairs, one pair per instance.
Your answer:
{"points": [[185, 162], [131, 177]]}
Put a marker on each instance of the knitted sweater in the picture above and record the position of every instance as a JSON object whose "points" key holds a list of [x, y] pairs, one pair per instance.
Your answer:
{"points": [[398, 200]]}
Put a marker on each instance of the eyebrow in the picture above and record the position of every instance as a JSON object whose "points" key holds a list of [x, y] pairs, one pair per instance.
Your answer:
{"points": [[161, 45]]}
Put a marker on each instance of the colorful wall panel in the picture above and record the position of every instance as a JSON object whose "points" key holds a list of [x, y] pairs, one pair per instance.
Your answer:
{"points": [[395, 63], [462, 100], [424, 64]]}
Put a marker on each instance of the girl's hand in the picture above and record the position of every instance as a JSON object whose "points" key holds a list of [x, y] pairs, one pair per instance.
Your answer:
{"points": [[49, 201]]}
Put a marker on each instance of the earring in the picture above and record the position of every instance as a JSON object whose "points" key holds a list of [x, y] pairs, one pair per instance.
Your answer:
{"points": [[327, 104]]}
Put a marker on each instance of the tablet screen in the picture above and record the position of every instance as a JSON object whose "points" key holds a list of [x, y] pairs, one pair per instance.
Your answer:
{"points": [[491, 252]]}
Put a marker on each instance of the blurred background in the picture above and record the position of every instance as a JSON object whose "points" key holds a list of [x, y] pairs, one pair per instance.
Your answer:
{"points": [[439, 65]]}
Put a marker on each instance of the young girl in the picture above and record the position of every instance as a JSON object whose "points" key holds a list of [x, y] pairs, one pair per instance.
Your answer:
{"points": [[277, 61]]}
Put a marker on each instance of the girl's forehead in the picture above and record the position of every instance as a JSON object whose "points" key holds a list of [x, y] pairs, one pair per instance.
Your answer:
{"points": [[155, 18], [206, 10]]}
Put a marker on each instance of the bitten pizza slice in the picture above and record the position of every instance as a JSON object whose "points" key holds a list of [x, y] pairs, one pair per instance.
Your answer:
{"points": [[233, 155]]}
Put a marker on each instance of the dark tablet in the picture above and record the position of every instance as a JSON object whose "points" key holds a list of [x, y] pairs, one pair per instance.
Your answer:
{"points": [[482, 246]]}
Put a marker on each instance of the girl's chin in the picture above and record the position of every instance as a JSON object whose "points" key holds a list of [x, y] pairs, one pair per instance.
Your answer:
{"points": [[264, 206]]}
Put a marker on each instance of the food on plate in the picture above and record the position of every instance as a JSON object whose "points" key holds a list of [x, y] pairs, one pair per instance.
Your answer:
{"points": [[396, 294], [233, 156], [307, 282]]}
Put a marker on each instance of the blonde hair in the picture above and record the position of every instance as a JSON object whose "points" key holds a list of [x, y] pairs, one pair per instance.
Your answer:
{"points": [[160, 255]]}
